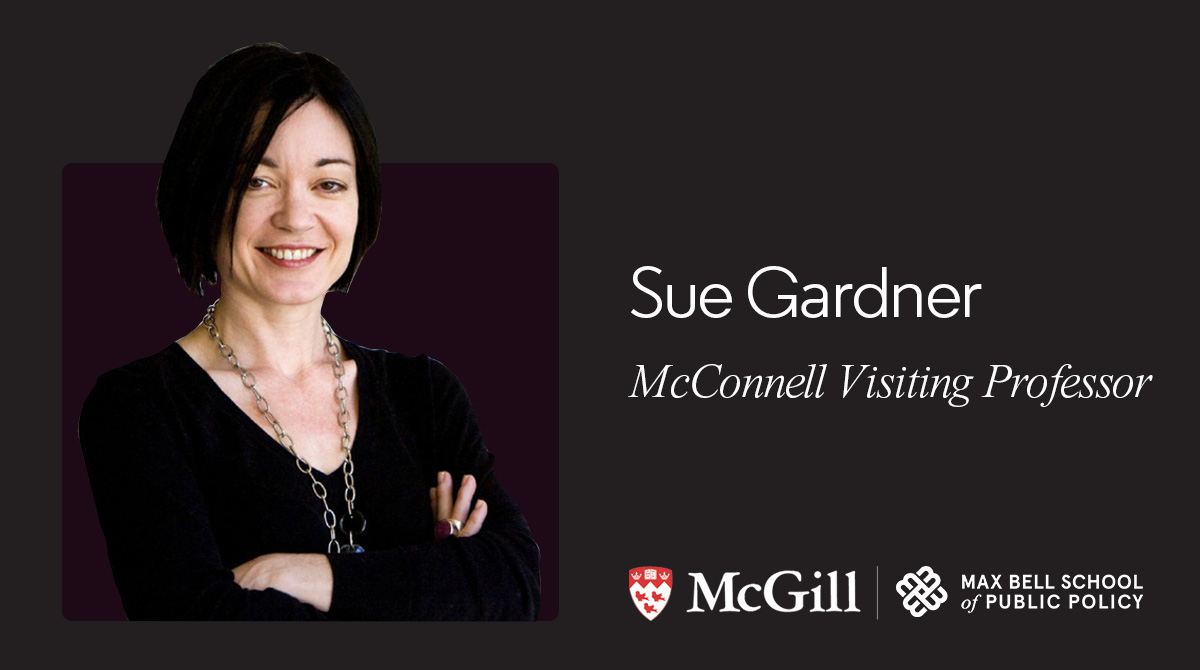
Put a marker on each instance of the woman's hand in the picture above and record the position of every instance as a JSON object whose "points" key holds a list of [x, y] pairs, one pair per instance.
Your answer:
{"points": [[446, 506], [305, 577]]}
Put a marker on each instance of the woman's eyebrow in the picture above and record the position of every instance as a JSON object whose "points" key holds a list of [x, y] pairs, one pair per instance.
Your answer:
{"points": [[267, 162]]}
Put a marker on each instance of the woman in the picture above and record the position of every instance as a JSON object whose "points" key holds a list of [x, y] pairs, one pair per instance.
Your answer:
{"points": [[234, 475]]}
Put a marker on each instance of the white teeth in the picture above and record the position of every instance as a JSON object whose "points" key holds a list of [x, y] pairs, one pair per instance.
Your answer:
{"points": [[291, 254]]}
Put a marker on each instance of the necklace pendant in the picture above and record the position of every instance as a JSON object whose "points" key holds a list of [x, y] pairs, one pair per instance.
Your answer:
{"points": [[353, 524], [351, 549]]}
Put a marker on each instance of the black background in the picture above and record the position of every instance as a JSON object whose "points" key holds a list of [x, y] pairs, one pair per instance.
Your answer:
{"points": [[1039, 155]]}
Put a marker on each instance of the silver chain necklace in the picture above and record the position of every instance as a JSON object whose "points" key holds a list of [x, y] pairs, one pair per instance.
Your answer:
{"points": [[353, 522]]}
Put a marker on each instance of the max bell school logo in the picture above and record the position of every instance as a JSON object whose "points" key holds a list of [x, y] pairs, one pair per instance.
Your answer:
{"points": [[650, 588], [922, 592]]}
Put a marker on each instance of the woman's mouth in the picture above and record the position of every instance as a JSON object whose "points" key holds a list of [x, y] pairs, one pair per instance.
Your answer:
{"points": [[291, 257]]}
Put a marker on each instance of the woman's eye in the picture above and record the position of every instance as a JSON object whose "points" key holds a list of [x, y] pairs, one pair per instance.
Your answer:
{"points": [[331, 186], [257, 183]]}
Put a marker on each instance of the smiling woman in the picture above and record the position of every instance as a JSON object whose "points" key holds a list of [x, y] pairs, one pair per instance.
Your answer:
{"points": [[294, 233], [234, 476]]}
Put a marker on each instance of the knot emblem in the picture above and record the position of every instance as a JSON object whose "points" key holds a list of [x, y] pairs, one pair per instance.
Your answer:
{"points": [[922, 591]]}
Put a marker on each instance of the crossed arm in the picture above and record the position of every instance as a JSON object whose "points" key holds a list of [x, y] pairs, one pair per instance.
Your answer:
{"points": [[309, 577], [162, 530]]}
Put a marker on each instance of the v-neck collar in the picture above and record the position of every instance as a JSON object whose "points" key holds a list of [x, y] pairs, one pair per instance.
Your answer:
{"points": [[214, 390]]}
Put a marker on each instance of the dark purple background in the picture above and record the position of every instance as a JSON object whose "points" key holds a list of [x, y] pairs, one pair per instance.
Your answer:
{"points": [[465, 270]]}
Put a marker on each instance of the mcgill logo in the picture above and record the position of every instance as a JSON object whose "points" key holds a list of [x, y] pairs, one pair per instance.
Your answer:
{"points": [[768, 593]]}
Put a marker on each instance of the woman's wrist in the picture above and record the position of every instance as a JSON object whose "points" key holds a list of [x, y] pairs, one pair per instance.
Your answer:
{"points": [[306, 577]]}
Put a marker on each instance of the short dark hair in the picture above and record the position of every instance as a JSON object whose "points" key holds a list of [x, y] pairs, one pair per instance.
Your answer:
{"points": [[233, 114]]}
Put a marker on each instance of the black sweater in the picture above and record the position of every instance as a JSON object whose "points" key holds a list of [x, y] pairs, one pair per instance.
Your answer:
{"points": [[187, 487]]}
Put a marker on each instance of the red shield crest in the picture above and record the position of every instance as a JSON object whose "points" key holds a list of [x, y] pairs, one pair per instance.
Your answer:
{"points": [[650, 588]]}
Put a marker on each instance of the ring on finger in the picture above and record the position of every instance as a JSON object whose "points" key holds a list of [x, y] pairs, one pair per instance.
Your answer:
{"points": [[445, 528]]}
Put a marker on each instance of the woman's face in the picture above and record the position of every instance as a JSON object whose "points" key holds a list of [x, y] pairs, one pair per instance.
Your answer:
{"points": [[295, 228]]}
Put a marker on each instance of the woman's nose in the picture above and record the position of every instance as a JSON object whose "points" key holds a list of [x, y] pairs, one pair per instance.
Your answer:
{"points": [[295, 212]]}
